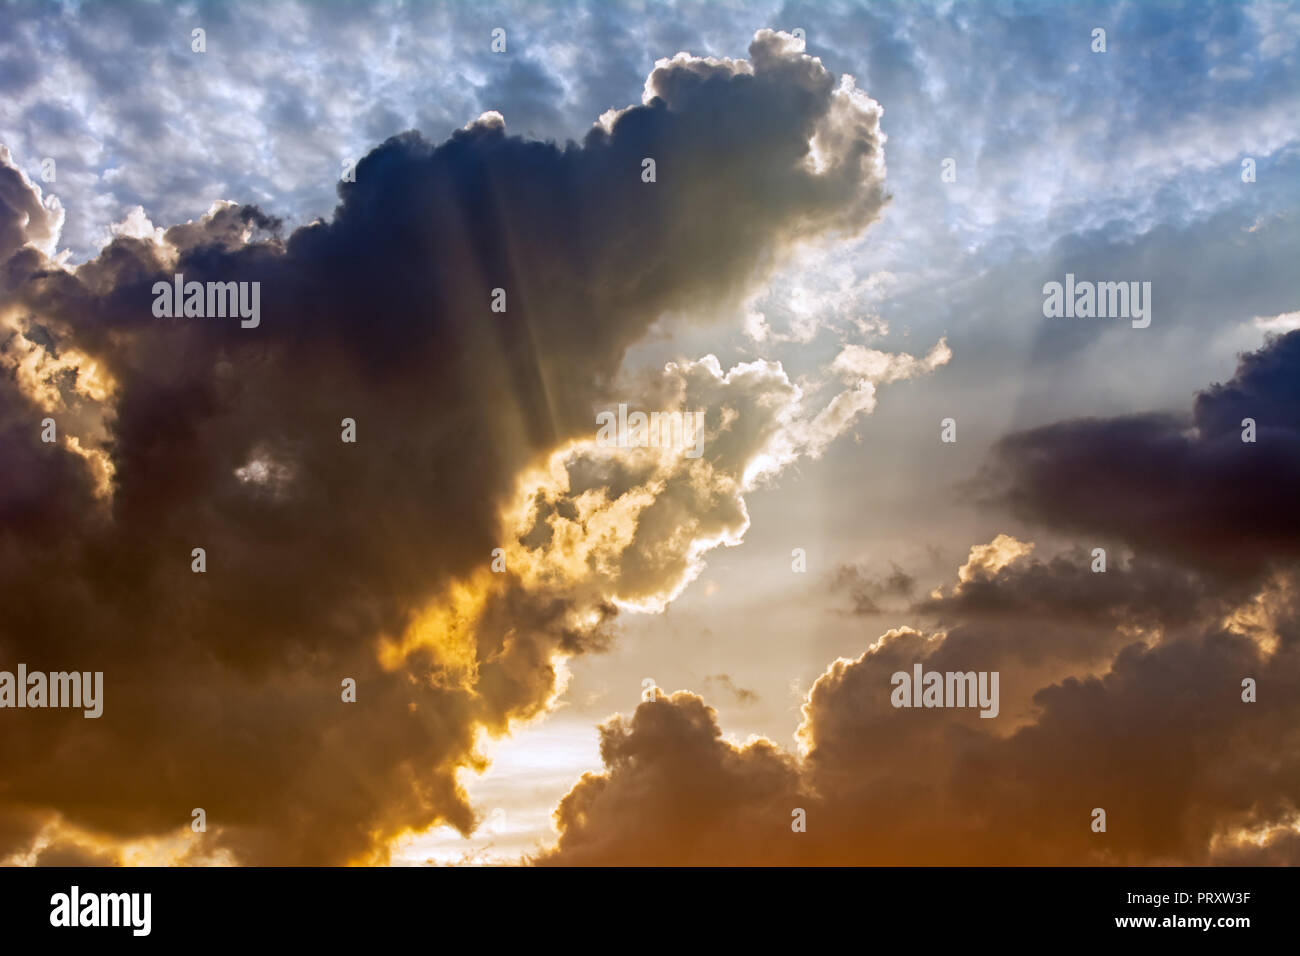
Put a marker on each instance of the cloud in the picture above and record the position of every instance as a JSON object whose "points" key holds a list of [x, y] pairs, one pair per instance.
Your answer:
{"points": [[988, 559], [866, 590], [73, 855], [631, 527], [1148, 725], [675, 792], [743, 695], [1120, 689], [26, 216], [1187, 489], [328, 560]]}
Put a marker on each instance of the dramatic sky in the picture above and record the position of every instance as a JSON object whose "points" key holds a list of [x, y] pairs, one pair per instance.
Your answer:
{"points": [[571, 653]]}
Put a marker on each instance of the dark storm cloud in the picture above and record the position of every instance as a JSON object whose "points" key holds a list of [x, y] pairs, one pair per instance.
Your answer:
{"points": [[675, 792], [222, 689], [1038, 622], [1156, 734], [1189, 490]]}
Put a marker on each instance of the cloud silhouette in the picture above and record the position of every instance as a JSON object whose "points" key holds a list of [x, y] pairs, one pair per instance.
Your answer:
{"points": [[1188, 490], [328, 560]]}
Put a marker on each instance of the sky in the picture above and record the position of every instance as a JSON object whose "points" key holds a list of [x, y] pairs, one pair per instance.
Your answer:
{"points": [[569, 647]]}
